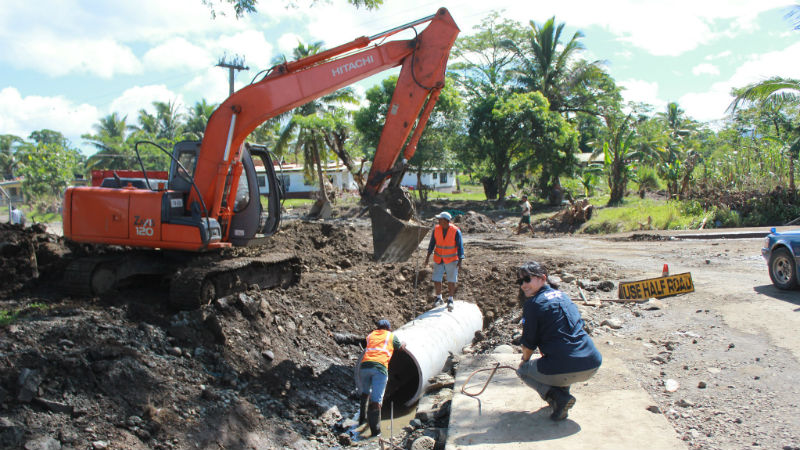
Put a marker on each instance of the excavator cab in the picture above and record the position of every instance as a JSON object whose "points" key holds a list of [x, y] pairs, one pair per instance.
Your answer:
{"points": [[252, 220]]}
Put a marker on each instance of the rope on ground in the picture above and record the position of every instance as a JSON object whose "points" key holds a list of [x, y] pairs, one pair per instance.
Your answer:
{"points": [[493, 369]]}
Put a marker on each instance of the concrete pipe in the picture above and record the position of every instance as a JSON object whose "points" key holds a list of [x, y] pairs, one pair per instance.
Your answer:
{"points": [[429, 339]]}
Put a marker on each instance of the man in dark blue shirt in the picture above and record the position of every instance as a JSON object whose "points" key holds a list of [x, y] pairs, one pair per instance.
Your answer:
{"points": [[553, 324]]}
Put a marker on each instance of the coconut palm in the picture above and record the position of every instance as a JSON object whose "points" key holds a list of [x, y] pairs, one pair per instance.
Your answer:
{"points": [[112, 132], [197, 119], [774, 94], [307, 124], [552, 67]]}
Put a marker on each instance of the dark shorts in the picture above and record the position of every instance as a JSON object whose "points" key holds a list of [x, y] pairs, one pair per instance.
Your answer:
{"points": [[525, 219]]}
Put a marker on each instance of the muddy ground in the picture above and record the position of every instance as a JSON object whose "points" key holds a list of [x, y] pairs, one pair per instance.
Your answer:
{"points": [[263, 369]]}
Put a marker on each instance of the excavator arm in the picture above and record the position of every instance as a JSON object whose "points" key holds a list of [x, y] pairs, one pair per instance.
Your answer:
{"points": [[423, 61]]}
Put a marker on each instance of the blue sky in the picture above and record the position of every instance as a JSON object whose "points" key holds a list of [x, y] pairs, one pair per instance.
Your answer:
{"points": [[67, 63]]}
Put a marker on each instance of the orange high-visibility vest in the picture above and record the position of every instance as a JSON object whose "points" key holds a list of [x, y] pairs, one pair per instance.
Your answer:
{"points": [[380, 347], [445, 249]]}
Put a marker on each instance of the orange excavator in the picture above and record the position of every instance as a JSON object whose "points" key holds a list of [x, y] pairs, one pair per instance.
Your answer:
{"points": [[210, 202]]}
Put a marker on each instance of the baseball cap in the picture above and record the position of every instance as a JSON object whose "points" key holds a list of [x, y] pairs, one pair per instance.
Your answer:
{"points": [[384, 324], [444, 215]]}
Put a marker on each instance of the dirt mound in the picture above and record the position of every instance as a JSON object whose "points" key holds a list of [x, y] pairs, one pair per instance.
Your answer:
{"points": [[28, 254], [568, 220], [473, 222]]}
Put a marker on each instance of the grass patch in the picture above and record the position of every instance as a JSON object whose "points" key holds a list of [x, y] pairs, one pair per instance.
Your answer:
{"points": [[644, 214], [36, 217], [9, 316]]}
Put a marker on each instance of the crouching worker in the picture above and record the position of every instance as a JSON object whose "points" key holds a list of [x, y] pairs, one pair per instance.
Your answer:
{"points": [[552, 323], [373, 373]]}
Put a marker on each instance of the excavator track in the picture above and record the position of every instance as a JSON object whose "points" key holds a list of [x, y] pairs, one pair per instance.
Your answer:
{"points": [[195, 286], [77, 279]]}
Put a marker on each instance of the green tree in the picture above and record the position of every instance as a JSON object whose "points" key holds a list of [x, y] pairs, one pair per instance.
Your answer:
{"points": [[49, 166], [620, 151], [197, 119], [8, 158], [111, 141], [436, 145], [481, 70], [774, 94], [546, 64], [524, 136], [680, 156], [308, 124]]}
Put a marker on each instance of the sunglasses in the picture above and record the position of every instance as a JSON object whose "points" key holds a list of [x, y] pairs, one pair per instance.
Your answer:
{"points": [[525, 279]]}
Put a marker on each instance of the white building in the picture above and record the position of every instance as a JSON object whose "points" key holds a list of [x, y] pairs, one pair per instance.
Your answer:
{"points": [[443, 180], [295, 184]]}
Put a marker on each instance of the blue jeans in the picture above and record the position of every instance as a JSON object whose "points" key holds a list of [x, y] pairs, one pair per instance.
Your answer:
{"points": [[373, 382]]}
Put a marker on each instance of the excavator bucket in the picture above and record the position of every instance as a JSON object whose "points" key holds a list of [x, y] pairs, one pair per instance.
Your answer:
{"points": [[394, 240]]}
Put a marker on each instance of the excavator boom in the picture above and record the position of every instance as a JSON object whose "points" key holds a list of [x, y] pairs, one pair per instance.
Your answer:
{"points": [[423, 60]]}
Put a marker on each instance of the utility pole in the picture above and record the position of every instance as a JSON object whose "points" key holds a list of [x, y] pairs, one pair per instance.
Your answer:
{"points": [[236, 63]]}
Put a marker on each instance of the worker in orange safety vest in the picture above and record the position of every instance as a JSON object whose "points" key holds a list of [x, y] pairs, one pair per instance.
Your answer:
{"points": [[447, 247], [373, 373]]}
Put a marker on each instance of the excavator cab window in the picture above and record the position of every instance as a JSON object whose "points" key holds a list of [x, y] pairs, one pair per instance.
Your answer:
{"points": [[184, 152], [242, 194]]}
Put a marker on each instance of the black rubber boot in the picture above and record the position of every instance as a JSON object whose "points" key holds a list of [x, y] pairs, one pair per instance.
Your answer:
{"points": [[374, 418], [362, 413], [561, 401]]}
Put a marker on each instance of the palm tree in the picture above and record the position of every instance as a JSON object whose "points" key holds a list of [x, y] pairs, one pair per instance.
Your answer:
{"points": [[550, 66], [198, 119], [110, 139], [679, 157], [307, 125], [774, 94], [164, 124]]}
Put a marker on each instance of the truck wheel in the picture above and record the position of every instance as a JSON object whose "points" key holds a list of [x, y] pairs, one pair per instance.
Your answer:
{"points": [[782, 269]]}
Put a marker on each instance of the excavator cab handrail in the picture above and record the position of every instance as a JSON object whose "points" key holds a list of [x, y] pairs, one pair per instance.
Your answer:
{"points": [[178, 173]]}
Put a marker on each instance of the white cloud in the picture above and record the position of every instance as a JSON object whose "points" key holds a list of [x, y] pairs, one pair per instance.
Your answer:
{"points": [[642, 91], [250, 44], [142, 97], [723, 54], [49, 54], [661, 28], [287, 43], [212, 85], [711, 104], [705, 69], [21, 115], [758, 67], [177, 53]]}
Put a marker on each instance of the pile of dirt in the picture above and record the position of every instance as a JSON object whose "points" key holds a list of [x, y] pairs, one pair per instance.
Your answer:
{"points": [[28, 254], [473, 222]]}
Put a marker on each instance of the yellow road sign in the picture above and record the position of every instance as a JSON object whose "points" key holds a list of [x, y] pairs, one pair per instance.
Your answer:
{"points": [[657, 287]]}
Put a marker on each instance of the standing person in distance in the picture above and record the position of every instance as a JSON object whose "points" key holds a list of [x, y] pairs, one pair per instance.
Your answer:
{"points": [[553, 324], [447, 247], [17, 218], [373, 373], [526, 215]]}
